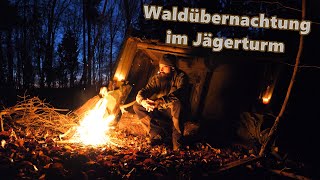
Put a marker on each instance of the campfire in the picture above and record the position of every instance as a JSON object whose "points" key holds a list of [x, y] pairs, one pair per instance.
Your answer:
{"points": [[93, 129]]}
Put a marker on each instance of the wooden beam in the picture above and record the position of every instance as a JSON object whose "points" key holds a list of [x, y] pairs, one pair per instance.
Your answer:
{"points": [[151, 54], [181, 51]]}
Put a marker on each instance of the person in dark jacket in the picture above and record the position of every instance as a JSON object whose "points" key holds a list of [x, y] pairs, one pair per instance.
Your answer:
{"points": [[164, 95]]}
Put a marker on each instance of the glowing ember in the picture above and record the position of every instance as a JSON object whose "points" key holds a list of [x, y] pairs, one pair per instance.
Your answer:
{"points": [[94, 127], [266, 100], [267, 95]]}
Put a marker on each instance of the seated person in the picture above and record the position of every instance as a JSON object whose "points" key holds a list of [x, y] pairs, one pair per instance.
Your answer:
{"points": [[164, 95]]}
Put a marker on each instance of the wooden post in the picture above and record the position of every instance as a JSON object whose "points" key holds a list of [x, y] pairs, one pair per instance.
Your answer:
{"points": [[1, 121]]}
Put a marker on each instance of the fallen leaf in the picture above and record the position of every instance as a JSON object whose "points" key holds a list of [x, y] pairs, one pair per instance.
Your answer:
{"points": [[148, 161], [67, 147], [20, 142], [3, 143]]}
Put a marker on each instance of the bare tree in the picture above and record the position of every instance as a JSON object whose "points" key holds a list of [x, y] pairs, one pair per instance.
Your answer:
{"points": [[37, 40], [7, 25], [1, 62], [92, 14], [129, 9], [27, 68], [113, 27], [10, 59], [83, 80], [55, 11]]}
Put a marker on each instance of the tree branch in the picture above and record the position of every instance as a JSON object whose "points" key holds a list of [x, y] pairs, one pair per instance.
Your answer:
{"points": [[274, 128]]}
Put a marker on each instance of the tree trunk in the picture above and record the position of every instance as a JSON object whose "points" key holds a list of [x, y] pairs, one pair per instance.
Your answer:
{"points": [[37, 31], [10, 59], [100, 59], [93, 60], [89, 52], [24, 46], [19, 68], [128, 17], [71, 79], [49, 47], [110, 59], [1, 62], [85, 67], [40, 71]]}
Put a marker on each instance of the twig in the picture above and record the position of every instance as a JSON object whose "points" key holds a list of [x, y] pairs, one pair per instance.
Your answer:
{"points": [[268, 2]]}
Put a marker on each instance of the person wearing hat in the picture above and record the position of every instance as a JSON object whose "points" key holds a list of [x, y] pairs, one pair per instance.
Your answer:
{"points": [[163, 96]]}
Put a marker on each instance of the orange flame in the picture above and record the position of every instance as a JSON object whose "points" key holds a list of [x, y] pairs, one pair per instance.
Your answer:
{"points": [[95, 125], [266, 97], [119, 77]]}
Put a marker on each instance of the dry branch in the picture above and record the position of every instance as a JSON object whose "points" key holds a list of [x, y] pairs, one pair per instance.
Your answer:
{"points": [[273, 130], [36, 115]]}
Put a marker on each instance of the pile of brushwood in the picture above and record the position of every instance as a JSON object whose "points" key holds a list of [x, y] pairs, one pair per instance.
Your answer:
{"points": [[30, 148]]}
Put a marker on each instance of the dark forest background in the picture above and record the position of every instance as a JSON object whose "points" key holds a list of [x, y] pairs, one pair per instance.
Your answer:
{"points": [[73, 44], [69, 43]]}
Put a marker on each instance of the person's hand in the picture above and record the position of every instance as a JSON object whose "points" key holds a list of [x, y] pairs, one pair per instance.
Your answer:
{"points": [[148, 104], [158, 103]]}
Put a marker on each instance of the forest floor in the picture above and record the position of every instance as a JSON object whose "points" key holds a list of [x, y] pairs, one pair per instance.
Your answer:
{"points": [[31, 148], [22, 156]]}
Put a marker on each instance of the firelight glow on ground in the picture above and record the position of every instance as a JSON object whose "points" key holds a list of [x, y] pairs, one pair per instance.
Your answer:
{"points": [[93, 129]]}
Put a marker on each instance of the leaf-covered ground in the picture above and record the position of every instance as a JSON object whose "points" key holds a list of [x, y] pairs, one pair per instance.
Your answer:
{"points": [[31, 147], [24, 157]]}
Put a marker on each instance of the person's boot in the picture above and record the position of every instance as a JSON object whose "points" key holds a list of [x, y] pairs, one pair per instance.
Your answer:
{"points": [[176, 140], [176, 145], [156, 139]]}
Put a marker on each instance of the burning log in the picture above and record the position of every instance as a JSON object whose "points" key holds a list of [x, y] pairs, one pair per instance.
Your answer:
{"points": [[115, 98]]}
